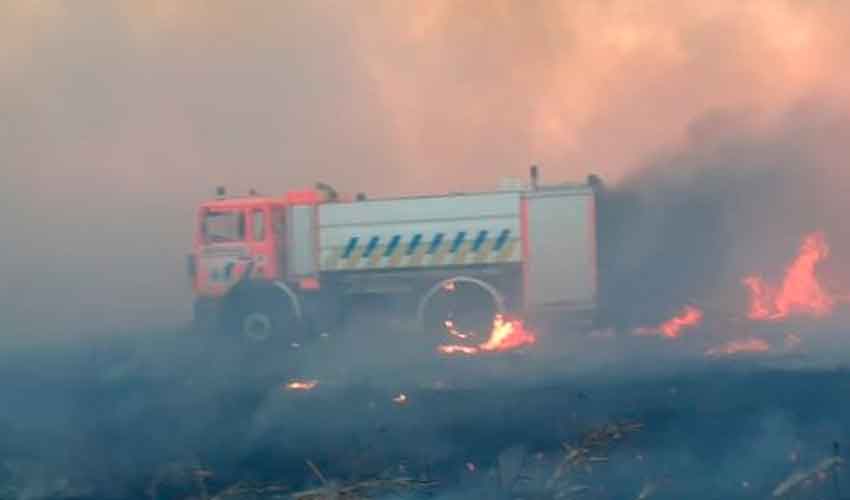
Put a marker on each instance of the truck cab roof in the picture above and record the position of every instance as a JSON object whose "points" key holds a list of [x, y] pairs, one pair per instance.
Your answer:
{"points": [[242, 203]]}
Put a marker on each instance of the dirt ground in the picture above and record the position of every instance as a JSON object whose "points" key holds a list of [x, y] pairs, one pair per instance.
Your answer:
{"points": [[175, 415]]}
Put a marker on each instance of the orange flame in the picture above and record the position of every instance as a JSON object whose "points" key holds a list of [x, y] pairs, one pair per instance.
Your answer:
{"points": [[301, 385], [689, 317], [506, 335], [737, 346], [800, 292], [457, 349], [453, 331], [400, 399]]}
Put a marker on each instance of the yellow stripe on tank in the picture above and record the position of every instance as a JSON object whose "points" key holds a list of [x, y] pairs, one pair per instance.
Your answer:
{"points": [[377, 255], [440, 254], [460, 255], [356, 255], [416, 259], [507, 252], [395, 258], [484, 252]]}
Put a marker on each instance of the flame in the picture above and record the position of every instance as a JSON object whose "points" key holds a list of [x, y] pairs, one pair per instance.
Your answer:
{"points": [[457, 349], [800, 292], [689, 317], [301, 385], [400, 399], [453, 331], [737, 346], [506, 335]]}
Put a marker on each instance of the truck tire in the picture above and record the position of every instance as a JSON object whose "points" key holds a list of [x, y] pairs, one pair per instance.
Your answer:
{"points": [[469, 303], [261, 317]]}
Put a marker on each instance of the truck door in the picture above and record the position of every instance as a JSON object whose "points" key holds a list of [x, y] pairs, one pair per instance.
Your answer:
{"points": [[261, 243]]}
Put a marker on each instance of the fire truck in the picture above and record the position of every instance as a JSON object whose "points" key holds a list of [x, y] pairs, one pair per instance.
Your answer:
{"points": [[266, 268]]}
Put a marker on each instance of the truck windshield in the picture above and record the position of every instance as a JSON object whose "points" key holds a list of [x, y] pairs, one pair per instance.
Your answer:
{"points": [[223, 227]]}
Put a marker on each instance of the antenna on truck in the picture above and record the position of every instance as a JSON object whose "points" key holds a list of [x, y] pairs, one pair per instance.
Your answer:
{"points": [[534, 174], [329, 191]]}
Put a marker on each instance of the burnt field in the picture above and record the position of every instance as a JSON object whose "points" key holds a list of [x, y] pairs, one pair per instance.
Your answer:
{"points": [[173, 415]]}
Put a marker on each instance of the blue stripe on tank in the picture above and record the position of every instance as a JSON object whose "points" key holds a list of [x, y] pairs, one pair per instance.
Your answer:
{"points": [[414, 243], [435, 243], [479, 240], [370, 247], [458, 241], [501, 240], [392, 246], [352, 244]]}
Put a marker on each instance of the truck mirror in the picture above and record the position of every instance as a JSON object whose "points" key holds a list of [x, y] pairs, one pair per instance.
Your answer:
{"points": [[191, 267]]}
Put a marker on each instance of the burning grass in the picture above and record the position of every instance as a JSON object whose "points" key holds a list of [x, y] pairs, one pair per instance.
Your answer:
{"points": [[689, 317], [506, 335], [799, 295], [800, 292], [302, 385]]}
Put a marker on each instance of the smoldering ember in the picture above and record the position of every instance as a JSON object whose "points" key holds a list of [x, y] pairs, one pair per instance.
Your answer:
{"points": [[424, 249]]}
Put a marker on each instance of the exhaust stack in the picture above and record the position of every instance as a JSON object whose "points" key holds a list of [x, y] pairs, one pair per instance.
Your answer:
{"points": [[534, 175]]}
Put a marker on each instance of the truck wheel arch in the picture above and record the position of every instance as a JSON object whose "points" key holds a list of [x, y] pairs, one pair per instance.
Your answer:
{"points": [[495, 294], [271, 303], [297, 309]]}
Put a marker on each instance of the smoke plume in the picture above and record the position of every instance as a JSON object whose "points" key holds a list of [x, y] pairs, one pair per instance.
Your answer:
{"points": [[122, 116]]}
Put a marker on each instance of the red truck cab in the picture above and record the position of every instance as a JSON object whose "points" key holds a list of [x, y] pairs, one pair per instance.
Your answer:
{"points": [[234, 237], [239, 267]]}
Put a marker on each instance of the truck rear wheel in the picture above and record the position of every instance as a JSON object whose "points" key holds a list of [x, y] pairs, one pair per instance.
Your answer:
{"points": [[460, 311]]}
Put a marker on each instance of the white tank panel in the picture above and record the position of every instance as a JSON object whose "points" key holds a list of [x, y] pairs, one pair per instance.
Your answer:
{"points": [[417, 209], [561, 262], [301, 241], [420, 232]]}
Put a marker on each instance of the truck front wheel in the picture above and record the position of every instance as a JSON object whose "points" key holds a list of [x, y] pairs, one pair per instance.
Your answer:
{"points": [[262, 317], [258, 327]]}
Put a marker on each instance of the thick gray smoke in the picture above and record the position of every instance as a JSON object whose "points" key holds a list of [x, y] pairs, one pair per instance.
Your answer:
{"points": [[118, 123], [733, 201]]}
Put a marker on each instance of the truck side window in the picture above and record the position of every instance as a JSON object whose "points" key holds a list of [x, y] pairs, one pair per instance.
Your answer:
{"points": [[258, 225]]}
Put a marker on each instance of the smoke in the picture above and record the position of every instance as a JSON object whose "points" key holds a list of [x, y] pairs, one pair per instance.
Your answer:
{"points": [[731, 201], [121, 117]]}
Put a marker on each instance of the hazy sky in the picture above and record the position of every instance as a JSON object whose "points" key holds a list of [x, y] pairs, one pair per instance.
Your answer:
{"points": [[118, 117]]}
